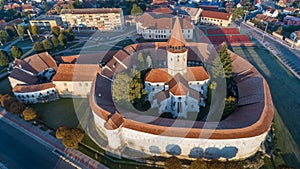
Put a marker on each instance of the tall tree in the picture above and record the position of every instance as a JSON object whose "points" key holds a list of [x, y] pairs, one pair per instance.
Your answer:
{"points": [[136, 9], [173, 163], [16, 107], [62, 39], [20, 30], [70, 34], [10, 31], [35, 30], [46, 44], [55, 30], [46, 6], [4, 58], [54, 42], [120, 87], [226, 61], [3, 36], [16, 52], [77, 4], [38, 47]]}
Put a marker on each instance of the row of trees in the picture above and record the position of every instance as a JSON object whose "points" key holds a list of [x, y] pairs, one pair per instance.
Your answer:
{"points": [[15, 53], [70, 137], [11, 104], [174, 163], [60, 37], [222, 68]]}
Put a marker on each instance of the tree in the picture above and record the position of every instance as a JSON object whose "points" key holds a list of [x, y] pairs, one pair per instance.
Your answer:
{"points": [[199, 164], [279, 30], [216, 164], [61, 132], [3, 36], [35, 30], [54, 42], [136, 9], [16, 107], [57, 9], [6, 101], [38, 47], [283, 166], [62, 39], [230, 106], [226, 61], [55, 30], [77, 4], [4, 58], [173, 163], [78, 134], [10, 31], [20, 30], [70, 34], [46, 6], [238, 13], [69, 140], [46, 44], [16, 52], [120, 87], [141, 62], [29, 114], [234, 164], [149, 61]]}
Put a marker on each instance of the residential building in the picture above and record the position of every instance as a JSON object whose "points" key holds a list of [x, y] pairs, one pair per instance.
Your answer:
{"points": [[159, 26], [46, 22], [291, 20], [31, 78], [193, 13], [27, 8], [94, 18], [215, 18]]}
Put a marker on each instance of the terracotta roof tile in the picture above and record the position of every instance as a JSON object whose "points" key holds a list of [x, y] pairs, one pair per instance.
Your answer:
{"points": [[158, 75], [217, 15], [38, 62], [114, 122], [179, 89], [162, 10], [76, 72], [176, 38], [32, 88], [197, 74]]}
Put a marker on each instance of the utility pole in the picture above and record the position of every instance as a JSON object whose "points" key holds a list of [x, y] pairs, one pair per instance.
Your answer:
{"points": [[266, 28]]}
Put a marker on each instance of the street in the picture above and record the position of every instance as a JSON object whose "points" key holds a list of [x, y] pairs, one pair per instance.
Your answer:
{"points": [[19, 151], [289, 57]]}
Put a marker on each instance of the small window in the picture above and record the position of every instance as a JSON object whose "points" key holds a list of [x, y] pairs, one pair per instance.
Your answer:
{"points": [[157, 85]]}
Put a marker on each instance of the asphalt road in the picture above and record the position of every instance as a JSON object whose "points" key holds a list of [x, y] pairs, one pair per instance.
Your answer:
{"points": [[19, 151], [290, 57]]}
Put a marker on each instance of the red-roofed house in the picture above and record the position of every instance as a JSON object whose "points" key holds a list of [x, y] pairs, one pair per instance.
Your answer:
{"points": [[215, 18]]}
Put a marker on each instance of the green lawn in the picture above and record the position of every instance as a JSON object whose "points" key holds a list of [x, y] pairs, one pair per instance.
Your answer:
{"points": [[285, 90], [57, 113], [25, 43]]}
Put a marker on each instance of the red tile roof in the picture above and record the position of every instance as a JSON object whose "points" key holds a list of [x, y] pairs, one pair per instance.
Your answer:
{"points": [[158, 75], [179, 89], [114, 122], [32, 88], [38, 62], [162, 10], [76, 72], [216, 15], [176, 39], [197, 74]]}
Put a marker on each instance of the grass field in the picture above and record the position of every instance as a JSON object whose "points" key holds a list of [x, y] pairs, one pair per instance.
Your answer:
{"points": [[285, 90]]}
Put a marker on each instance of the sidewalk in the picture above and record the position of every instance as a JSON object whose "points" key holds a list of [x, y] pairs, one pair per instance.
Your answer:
{"points": [[72, 156]]}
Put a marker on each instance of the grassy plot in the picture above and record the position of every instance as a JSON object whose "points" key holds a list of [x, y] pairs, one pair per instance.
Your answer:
{"points": [[285, 90]]}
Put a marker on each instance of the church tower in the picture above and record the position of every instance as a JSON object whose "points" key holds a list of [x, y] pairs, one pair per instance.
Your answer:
{"points": [[176, 51]]}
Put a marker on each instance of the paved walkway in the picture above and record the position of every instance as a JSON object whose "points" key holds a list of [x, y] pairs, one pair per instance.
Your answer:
{"points": [[72, 156]]}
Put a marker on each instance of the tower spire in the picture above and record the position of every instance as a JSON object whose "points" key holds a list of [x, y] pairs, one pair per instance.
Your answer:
{"points": [[177, 40]]}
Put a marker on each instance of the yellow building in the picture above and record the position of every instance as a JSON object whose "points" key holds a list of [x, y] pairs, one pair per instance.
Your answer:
{"points": [[46, 22]]}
